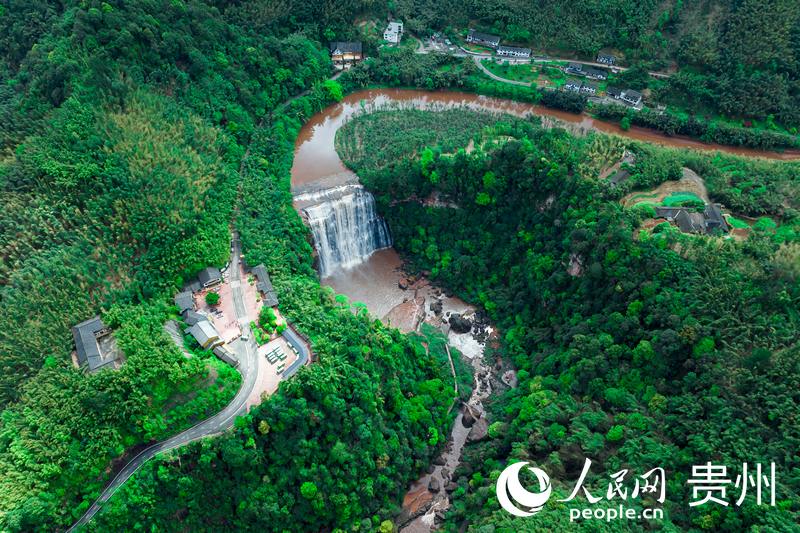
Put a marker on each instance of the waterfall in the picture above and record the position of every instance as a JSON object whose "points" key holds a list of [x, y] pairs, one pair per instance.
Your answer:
{"points": [[346, 227]]}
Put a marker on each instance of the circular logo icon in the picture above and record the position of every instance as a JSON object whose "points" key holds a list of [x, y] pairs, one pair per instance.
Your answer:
{"points": [[509, 488]]}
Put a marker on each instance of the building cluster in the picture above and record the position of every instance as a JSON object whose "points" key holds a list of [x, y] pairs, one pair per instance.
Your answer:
{"points": [[199, 326], [493, 41], [709, 221]]}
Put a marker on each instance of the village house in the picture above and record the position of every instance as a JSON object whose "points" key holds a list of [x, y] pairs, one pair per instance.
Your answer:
{"points": [[393, 32], [345, 54], [573, 85], [95, 348], [589, 88], [264, 286], [485, 39], [184, 301], [513, 51], [192, 317], [595, 73], [690, 221], [631, 97], [226, 355], [209, 277], [614, 92], [606, 59], [575, 69], [205, 334]]}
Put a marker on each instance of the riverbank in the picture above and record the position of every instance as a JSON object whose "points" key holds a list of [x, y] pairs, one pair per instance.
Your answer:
{"points": [[432, 71], [318, 158]]}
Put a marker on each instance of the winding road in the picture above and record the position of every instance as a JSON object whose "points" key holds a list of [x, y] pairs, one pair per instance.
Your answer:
{"points": [[223, 420]]}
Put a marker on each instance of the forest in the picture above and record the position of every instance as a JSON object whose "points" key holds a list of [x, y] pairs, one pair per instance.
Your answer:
{"points": [[663, 349]]}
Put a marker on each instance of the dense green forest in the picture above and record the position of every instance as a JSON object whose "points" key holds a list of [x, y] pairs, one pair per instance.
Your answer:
{"points": [[135, 135], [663, 349]]}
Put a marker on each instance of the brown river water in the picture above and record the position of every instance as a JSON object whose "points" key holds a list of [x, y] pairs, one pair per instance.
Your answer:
{"points": [[377, 280]]}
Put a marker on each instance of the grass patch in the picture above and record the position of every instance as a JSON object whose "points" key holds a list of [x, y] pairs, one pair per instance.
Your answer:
{"points": [[737, 223], [687, 199], [524, 72]]}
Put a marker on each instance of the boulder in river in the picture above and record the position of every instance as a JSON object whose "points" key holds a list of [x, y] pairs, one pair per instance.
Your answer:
{"points": [[439, 461], [437, 307], [451, 487], [459, 324], [479, 431], [467, 420], [402, 283], [434, 485]]}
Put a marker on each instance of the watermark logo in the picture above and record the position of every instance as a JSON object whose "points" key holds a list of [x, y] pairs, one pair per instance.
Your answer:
{"points": [[510, 488], [632, 497]]}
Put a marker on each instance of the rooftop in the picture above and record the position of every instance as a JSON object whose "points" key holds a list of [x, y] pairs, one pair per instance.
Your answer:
{"points": [[87, 347], [184, 301], [264, 284], [346, 47], [209, 275]]}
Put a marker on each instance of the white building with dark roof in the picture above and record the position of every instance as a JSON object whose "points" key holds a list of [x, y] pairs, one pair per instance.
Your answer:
{"points": [[485, 39], [393, 32], [513, 51]]}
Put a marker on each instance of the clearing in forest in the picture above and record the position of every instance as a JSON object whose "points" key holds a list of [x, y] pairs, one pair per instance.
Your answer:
{"points": [[689, 187]]}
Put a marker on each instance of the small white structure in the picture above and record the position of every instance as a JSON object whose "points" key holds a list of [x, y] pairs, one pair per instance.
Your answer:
{"points": [[393, 32]]}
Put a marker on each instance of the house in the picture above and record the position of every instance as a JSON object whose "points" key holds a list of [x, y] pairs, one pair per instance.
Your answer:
{"points": [[589, 88], [595, 74], [205, 334], [574, 68], [714, 219], [485, 39], [393, 32], [226, 355], [690, 221], [264, 285], [345, 54], [184, 301], [192, 317], [631, 97], [606, 59], [209, 276], [614, 92], [573, 85], [513, 51], [88, 336]]}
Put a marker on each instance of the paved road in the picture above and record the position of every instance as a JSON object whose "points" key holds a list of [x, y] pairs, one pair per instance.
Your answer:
{"points": [[479, 63], [423, 48], [248, 366]]}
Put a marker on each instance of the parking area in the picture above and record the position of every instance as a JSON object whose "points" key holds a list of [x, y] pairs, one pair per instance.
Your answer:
{"points": [[273, 358]]}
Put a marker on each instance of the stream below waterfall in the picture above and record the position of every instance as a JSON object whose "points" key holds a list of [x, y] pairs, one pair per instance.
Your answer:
{"points": [[355, 257]]}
